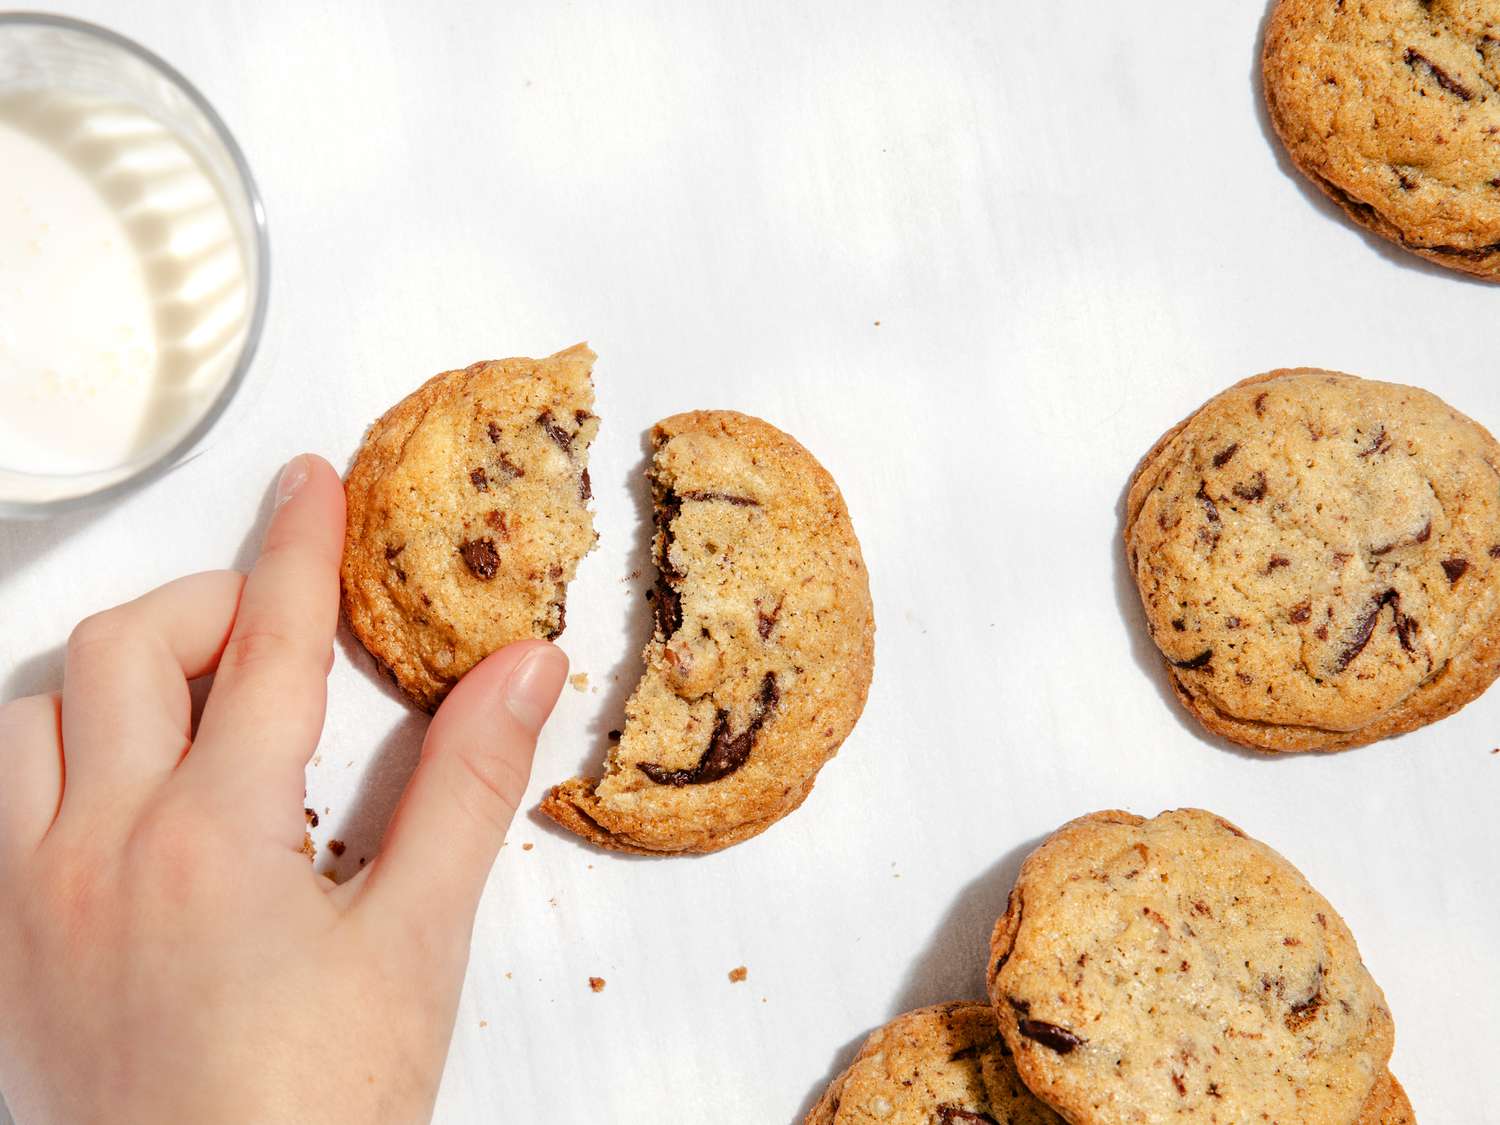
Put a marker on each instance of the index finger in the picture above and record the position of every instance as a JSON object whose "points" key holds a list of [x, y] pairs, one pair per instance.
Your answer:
{"points": [[265, 712]]}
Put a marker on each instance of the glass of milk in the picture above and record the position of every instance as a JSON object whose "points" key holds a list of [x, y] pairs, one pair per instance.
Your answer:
{"points": [[133, 265]]}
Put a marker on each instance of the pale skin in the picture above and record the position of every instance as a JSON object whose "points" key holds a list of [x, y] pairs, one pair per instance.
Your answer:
{"points": [[166, 952]]}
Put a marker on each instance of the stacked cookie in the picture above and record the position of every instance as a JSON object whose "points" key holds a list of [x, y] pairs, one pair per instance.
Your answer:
{"points": [[1145, 970]]}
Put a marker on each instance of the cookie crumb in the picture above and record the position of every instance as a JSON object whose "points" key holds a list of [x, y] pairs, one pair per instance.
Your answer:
{"points": [[527, 847], [614, 736], [484, 1023], [580, 681], [308, 848], [336, 847], [507, 976], [596, 984], [312, 817], [737, 975]]}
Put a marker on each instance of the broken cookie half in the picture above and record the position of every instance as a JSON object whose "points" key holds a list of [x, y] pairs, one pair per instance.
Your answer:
{"points": [[468, 515], [762, 651]]}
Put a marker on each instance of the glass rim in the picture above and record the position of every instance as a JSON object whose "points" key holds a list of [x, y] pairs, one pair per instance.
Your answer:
{"points": [[164, 462]]}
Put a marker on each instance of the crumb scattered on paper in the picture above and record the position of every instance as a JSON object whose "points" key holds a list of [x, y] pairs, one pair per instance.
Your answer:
{"points": [[484, 1023], [527, 847], [877, 324], [580, 681], [312, 817], [596, 984], [737, 975], [336, 847], [309, 849], [614, 736]]}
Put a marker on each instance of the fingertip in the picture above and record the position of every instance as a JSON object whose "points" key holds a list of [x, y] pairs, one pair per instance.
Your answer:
{"points": [[534, 684]]}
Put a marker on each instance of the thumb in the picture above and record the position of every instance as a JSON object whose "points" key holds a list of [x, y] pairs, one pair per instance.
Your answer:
{"points": [[476, 760]]}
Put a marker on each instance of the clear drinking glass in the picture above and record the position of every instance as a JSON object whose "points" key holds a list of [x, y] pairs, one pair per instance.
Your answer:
{"points": [[153, 145]]}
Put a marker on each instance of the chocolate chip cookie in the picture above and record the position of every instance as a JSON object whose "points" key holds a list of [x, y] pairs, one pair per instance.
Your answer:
{"points": [[468, 514], [762, 652], [944, 1065], [1319, 559], [1392, 107], [1175, 969]]}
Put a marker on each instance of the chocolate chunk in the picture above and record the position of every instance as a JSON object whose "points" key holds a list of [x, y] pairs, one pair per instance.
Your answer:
{"points": [[1366, 628], [1425, 534], [1379, 444], [947, 1114], [581, 416], [585, 487], [494, 432], [479, 480], [393, 552], [726, 753], [560, 437], [1414, 58], [765, 622], [337, 847], [1199, 661], [667, 603], [1049, 1035], [1222, 457], [723, 498], [1179, 1084], [1300, 612], [496, 519], [1454, 569], [480, 557], [1406, 182], [1253, 490], [1020, 1007], [1179, 624], [312, 817], [1302, 1013], [509, 467], [1260, 404], [1277, 560], [1495, 551], [562, 622], [1209, 534], [613, 736]]}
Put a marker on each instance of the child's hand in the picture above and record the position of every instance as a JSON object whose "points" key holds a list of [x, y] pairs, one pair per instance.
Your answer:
{"points": [[166, 952]]}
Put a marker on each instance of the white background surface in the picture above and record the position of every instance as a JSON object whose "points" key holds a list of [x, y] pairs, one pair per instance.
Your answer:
{"points": [[1072, 228]]}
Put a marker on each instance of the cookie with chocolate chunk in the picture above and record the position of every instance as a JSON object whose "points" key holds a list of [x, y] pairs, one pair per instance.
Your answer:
{"points": [[762, 652], [1175, 969], [1318, 557], [943, 1065], [468, 515], [1392, 108]]}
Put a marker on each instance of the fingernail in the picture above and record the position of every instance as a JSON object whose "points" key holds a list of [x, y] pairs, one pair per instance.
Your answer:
{"points": [[293, 477], [534, 684]]}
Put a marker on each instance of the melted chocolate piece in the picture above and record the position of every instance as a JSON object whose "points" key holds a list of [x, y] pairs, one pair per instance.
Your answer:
{"points": [[478, 479], [722, 497], [494, 432], [947, 1114], [1253, 490], [1222, 457], [560, 437], [1210, 534], [480, 557], [726, 753], [1199, 661], [1300, 612], [1454, 569], [562, 621], [1049, 1035], [765, 622], [1260, 404], [1414, 58], [1277, 560], [667, 604], [1495, 551], [585, 487], [1366, 629], [1379, 444], [1302, 1013], [508, 467]]}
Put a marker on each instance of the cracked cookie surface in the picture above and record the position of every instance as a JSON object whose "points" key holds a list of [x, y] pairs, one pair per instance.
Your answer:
{"points": [[762, 652], [468, 515], [1392, 108], [943, 1065], [1175, 969], [1318, 557]]}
